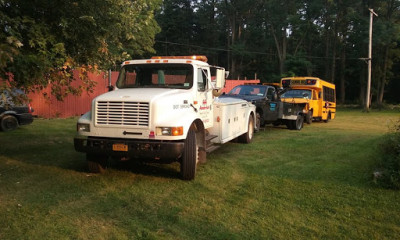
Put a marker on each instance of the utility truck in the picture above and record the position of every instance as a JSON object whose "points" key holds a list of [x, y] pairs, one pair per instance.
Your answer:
{"points": [[163, 109]]}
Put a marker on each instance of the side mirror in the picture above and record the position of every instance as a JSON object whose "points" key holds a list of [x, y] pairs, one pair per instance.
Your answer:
{"points": [[220, 79], [226, 74], [110, 88]]}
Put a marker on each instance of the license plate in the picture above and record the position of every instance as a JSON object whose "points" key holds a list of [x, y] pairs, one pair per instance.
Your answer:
{"points": [[120, 147]]}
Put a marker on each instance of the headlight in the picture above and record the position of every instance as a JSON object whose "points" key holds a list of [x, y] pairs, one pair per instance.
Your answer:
{"points": [[170, 131], [83, 127]]}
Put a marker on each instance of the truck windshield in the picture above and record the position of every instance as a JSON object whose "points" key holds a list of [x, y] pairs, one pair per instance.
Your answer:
{"points": [[156, 76], [297, 93]]}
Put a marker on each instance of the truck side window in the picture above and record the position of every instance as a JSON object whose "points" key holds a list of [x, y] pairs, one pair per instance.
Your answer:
{"points": [[270, 94], [201, 80]]}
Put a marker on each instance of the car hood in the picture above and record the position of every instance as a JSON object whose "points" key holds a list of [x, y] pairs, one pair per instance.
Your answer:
{"points": [[249, 98], [295, 100]]}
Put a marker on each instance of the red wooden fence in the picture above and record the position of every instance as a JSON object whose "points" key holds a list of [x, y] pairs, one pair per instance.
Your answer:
{"points": [[72, 105], [78, 105]]}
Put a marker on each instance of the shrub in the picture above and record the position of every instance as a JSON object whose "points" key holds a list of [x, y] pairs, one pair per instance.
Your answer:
{"points": [[388, 168]]}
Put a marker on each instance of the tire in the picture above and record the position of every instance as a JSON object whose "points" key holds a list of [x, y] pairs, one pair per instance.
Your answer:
{"points": [[248, 136], [258, 122], [296, 124], [309, 117], [96, 163], [190, 156], [9, 123], [328, 118]]}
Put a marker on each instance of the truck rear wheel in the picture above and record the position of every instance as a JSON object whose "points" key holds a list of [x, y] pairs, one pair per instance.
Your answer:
{"points": [[96, 163], [190, 156], [309, 117], [258, 122], [328, 117], [248, 136], [8, 123]]}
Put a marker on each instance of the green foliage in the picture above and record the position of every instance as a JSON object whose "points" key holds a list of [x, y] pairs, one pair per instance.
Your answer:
{"points": [[388, 167], [278, 38], [43, 41]]}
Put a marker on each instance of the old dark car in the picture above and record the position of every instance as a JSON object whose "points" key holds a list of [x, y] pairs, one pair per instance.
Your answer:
{"points": [[269, 107], [14, 110]]}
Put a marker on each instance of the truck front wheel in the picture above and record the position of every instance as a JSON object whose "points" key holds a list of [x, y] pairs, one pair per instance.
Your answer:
{"points": [[248, 136], [96, 163], [190, 156], [297, 124]]}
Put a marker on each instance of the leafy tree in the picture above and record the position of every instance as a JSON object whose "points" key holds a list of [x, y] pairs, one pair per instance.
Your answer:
{"points": [[43, 41], [270, 39], [387, 36], [176, 18]]}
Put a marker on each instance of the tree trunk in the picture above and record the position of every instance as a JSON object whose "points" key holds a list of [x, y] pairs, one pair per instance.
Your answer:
{"points": [[333, 66], [363, 87], [382, 81], [327, 47], [342, 76], [280, 48]]}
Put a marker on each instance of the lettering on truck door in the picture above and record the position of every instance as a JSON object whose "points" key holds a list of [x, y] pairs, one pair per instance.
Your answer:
{"points": [[204, 96]]}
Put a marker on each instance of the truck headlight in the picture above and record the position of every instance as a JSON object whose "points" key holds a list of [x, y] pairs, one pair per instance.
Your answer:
{"points": [[83, 127], [170, 131]]}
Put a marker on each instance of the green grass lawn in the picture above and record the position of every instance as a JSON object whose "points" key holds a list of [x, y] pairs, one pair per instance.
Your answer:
{"points": [[310, 184]]}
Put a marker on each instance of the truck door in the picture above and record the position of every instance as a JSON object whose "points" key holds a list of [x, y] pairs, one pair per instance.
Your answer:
{"points": [[272, 108], [204, 96]]}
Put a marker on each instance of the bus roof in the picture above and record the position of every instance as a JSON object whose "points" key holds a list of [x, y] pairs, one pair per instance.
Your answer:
{"points": [[307, 82]]}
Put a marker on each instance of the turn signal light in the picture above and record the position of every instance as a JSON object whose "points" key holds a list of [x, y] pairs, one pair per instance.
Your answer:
{"points": [[285, 83], [311, 81], [177, 131]]}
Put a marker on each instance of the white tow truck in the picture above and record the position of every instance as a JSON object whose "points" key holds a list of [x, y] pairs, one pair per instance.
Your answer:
{"points": [[163, 109]]}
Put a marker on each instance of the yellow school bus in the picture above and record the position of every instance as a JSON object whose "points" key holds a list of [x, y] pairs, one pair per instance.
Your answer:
{"points": [[319, 96]]}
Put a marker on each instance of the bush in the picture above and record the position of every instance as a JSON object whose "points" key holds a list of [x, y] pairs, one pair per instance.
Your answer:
{"points": [[388, 169]]}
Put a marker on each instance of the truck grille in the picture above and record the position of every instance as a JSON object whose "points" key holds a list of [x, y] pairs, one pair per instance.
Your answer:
{"points": [[122, 113]]}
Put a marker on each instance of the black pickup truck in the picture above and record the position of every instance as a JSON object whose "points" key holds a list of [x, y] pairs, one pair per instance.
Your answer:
{"points": [[269, 107], [14, 110]]}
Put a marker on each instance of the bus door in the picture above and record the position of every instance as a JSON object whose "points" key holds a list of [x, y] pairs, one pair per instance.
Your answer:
{"points": [[315, 103]]}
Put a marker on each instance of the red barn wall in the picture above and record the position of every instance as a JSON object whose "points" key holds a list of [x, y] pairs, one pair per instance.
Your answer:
{"points": [[78, 105], [72, 105]]}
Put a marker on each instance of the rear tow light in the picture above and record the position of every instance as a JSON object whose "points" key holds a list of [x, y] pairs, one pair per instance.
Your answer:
{"points": [[30, 109]]}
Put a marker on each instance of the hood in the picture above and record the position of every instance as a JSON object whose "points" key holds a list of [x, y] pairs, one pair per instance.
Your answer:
{"points": [[295, 100], [245, 97], [139, 94]]}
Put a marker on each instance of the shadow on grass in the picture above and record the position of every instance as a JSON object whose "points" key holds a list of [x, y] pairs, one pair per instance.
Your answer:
{"points": [[159, 170]]}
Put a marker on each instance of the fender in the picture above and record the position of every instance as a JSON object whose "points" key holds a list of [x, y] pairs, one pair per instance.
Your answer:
{"points": [[184, 120], [8, 113]]}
